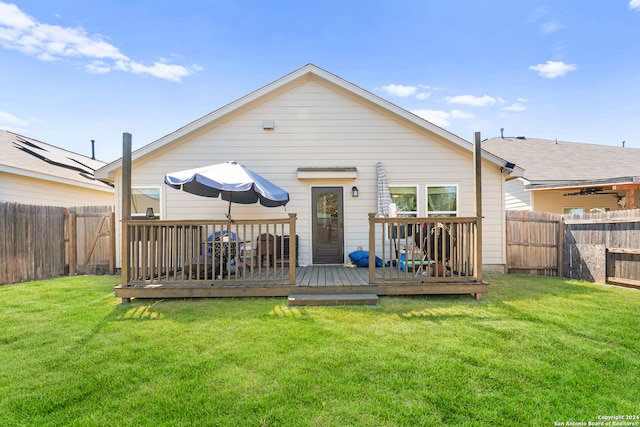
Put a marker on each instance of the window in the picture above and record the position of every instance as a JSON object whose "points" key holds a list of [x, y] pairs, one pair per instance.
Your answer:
{"points": [[582, 210], [143, 198], [442, 200], [405, 199], [573, 211]]}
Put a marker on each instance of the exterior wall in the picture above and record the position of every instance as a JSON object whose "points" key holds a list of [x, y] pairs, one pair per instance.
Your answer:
{"points": [[320, 125], [516, 197], [555, 201], [32, 191]]}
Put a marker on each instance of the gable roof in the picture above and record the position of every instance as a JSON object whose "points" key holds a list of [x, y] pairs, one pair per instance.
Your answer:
{"points": [[306, 72], [29, 157], [548, 161]]}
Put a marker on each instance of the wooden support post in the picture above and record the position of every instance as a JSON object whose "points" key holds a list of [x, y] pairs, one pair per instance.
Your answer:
{"points": [[477, 161], [372, 248], [293, 243], [126, 208]]}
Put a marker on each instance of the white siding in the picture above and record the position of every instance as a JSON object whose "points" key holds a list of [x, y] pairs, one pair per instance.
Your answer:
{"points": [[320, 125], [32, 191], [516, 197]]}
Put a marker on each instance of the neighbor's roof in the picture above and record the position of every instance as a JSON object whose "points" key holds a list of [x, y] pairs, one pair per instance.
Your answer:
{"points": [[308, 71], [546, 161], [29, 157]]}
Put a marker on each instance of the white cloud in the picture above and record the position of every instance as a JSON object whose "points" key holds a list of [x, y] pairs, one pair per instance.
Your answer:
{"points": [[8, 119], [47, 42], [634, 4], [550, 27], [553, 69], [97, 67], [442, 118], [458, 114], [437, 117], [474, 101], [423, 95], [399, 90], [517, 106]]}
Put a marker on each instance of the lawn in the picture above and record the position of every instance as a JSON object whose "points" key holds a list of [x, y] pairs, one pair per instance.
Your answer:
{"points": [[534, 352]]}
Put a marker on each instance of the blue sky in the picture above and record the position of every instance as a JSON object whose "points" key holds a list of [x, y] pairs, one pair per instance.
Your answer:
{"points": [[73, 71]]}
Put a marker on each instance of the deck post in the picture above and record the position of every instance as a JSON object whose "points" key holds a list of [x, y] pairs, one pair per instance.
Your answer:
{"points": [[477, 160], [126, 208], [293, 262], [372, 247]]}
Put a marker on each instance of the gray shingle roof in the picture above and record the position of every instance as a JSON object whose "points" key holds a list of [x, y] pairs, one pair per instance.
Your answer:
{"points": [[27, 156], [545, 160]]}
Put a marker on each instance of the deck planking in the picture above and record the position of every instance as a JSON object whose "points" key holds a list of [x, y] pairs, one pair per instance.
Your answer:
{"points": [[317, 279]]}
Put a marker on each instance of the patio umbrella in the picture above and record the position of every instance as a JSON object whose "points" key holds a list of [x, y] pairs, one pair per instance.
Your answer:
{"points": [[384, 197], [231, 181]]}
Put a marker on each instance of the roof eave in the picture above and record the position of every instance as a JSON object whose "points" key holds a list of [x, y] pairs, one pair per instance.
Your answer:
{"points": [[57, 179], [108, 171]]}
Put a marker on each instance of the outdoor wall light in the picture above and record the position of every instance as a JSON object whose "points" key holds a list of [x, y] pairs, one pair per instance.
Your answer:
{"points": [[354, 191], [150, 213]]}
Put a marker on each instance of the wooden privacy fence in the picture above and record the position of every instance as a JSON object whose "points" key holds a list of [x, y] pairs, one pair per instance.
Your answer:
{"points": [[40, 242], [534, 243], [602, 247], [90, 240], [31, 242]]}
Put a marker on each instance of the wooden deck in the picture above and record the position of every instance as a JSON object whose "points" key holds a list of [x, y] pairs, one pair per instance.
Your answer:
{"points": [[317, 280]]}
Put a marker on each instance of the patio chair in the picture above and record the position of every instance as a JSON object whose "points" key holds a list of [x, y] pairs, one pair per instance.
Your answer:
{"points": [[225, 248], [434, 240]]}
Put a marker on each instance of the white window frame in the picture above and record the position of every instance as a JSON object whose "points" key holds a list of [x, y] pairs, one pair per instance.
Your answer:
{"points": [[143, 214], [441, 213]]}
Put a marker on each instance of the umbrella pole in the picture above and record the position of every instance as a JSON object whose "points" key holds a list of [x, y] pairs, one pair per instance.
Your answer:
{"points": [[229, 211]]}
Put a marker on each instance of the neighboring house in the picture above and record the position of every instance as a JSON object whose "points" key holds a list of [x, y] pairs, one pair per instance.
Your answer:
{"points": [[35, 173], [312, 130], [569, 177]]}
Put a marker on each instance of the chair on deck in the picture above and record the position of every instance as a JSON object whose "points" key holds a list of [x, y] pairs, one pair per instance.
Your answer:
{"points": [[434, 240], [225, 248]]}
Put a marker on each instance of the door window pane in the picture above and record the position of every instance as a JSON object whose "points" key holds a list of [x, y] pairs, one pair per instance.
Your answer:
{"points": [[327, 216]]}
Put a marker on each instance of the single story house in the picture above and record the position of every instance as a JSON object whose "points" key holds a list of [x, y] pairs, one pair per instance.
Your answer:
{"points": [[35, 173], [309, 132], [569, 177]]}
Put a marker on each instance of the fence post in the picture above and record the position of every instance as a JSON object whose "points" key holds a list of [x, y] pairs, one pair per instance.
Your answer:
{"points": [[560, 247], [73, 244], [112, 243]]}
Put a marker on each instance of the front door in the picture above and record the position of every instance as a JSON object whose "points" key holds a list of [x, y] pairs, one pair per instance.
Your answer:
{"points": [[327, 225]]}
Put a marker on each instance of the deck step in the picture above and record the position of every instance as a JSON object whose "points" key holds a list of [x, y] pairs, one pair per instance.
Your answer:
{"points": [[332, 299]]}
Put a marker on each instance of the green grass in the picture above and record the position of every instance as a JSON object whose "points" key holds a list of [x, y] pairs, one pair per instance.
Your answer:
{"points": [[536, 351]]}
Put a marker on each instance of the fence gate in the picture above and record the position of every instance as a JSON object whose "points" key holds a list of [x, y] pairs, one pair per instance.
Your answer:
{"points": [[534, 243], [90, 240]]}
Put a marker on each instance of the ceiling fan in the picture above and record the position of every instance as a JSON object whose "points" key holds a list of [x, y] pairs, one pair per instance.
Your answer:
{"points": [[590, 192]]}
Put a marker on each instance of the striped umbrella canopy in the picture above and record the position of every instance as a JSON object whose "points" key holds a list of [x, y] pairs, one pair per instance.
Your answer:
{"points": [[384, 197]]}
